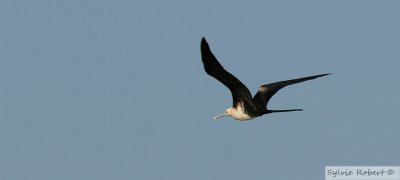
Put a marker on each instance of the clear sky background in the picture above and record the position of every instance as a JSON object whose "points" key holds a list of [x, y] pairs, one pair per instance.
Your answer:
{"points": [[96, 89]]}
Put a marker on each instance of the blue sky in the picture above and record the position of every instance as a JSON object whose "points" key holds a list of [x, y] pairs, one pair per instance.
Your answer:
{"points": [[116, 89]]}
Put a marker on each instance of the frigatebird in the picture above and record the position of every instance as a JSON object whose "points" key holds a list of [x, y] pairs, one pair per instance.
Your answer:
{"points": [[244, 106]]}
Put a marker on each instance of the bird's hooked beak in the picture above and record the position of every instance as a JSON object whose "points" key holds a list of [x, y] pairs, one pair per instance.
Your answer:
{"points": [[219, 116]]}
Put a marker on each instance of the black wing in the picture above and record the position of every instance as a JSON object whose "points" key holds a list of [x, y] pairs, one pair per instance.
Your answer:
{"points": [[266, 91], [239, 91]]}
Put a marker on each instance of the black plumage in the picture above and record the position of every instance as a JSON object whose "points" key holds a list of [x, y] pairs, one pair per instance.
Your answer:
{"points": [[242, 100]]}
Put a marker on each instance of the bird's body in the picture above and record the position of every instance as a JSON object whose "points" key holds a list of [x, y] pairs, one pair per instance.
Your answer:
{"points": [[244, 106], [239, 113]]}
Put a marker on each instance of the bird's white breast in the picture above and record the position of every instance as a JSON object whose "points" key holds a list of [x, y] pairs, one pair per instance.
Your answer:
{"points": [[239, 114]]}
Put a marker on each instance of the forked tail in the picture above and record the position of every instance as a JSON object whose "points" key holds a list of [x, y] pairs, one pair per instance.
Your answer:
{"points": [[286, 110]]}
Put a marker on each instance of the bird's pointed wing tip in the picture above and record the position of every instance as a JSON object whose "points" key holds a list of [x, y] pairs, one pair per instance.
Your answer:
{"points": [[321, 75], [204, 45], [325, 74], [203, 40]]}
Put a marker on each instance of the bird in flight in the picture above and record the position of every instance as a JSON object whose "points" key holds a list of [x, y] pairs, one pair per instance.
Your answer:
{"points": [[244, 106]]}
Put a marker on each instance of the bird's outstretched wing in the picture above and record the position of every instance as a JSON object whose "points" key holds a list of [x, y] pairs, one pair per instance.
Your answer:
{"points": [[266, 91], [239, 91]]}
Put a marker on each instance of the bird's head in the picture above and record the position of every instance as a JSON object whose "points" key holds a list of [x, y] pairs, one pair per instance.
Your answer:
{"points": [[228, 112]]}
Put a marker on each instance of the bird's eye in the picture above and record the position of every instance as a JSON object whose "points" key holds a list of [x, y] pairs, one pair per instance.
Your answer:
{"points": [[226, 112]]}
